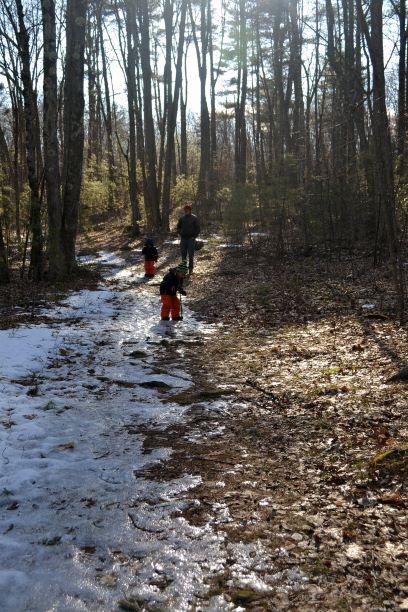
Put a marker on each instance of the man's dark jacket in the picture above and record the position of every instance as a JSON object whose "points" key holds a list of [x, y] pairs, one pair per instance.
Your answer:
{"points": [[188, 226]]}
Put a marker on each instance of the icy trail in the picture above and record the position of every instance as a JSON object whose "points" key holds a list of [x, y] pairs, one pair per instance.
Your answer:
{"points": [[79, 529]]}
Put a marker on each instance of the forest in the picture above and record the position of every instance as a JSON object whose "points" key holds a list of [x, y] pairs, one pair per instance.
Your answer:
{"points": [[252, 452], [296, 126]]}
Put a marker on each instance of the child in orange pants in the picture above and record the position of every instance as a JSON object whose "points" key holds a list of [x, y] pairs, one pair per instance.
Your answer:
{"points": [[171, 284], [150, 254]]}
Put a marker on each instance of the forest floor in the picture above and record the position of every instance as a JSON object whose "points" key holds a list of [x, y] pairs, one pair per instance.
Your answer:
{"points": [[283, 453], [305, 346]]}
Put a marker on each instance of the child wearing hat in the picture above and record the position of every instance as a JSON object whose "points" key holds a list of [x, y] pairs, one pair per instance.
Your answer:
{"points": [[150, 254], [171, 284]]}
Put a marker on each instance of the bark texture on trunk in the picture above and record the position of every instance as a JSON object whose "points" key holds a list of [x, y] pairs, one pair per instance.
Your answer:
{"points": [[4, 269], [382, 141], [152, 192], [73, 126], [51, 146], [132, 100], [172, 120], [34, 168]]}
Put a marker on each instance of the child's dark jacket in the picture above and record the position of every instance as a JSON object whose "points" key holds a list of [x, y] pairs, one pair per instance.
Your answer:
{"points": [[171, 283], [150, 253]]}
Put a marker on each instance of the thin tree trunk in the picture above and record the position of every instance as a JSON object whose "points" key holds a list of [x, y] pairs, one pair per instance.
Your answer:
{"points": [[51, 147], [5, 171], [4, 269], [183, 123], [131, 98], [205, 136], [91, 53], [16, 163], [108, 115], [32, 140], [152, 194], [298, 110], [172, 120], [402, 87], [240, 111]]}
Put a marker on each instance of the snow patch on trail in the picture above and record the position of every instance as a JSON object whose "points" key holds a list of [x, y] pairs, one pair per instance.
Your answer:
{"points": [[79, 529], [24, 349]]}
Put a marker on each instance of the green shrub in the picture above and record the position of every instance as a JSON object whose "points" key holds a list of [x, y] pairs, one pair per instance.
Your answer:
{"points": [[185, 190], [94, 191], [239, 209]]}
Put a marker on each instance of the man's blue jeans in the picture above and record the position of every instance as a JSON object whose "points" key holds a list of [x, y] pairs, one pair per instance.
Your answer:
{"points": [[187, 246]]}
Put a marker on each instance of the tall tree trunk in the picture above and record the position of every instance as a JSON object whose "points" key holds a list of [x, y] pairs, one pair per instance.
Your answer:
{"points": [[167, 85], [73, 126], [107, 114], [91, 54], [213, 174], [205, 136], [282, 136], [4, 269], [32, 139], [51, 147], [131, 98], [183, 136], [402, 87], [240, 110], [151, 193], [382, 140], [298, 108], [172, 120], [5, 169], [183, 123], [16, 162]]}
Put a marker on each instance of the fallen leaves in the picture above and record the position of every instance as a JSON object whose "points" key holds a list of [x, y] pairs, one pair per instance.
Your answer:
{"points": [[8, 424], [317, 452], [392, 461], [394, 499], [355, 552], [131, 604], [65, 446], [89, 550], [107, 580], [13, 506], [48, 406]]}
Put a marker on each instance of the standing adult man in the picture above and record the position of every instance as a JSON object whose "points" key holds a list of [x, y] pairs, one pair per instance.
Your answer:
{"points": [[188, 227]]}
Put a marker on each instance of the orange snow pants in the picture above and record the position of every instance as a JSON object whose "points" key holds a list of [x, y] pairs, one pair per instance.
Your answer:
{"points": [[170, 304], [150, 268]]}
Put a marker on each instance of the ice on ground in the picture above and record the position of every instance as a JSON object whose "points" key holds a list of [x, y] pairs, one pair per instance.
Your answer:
{"points": [[25, 349], [77, 531]]}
